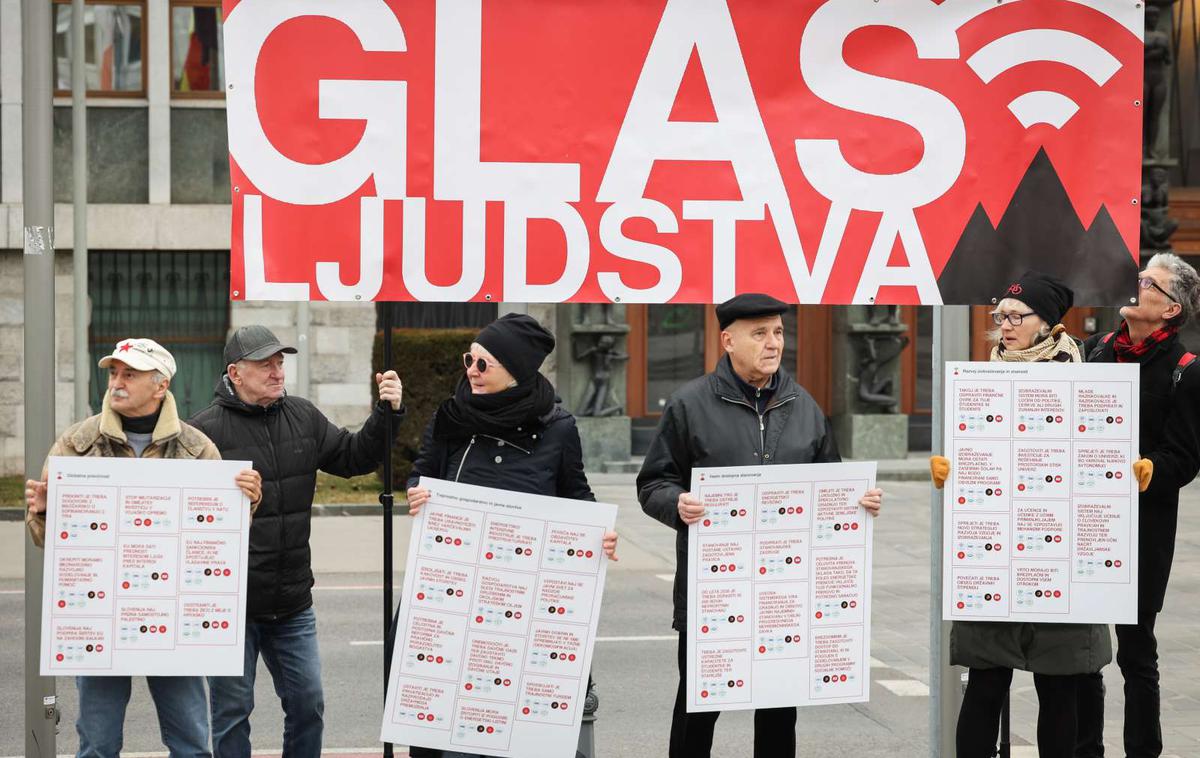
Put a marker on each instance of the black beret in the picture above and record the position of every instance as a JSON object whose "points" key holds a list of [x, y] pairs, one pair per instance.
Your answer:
{"points": [[1046, 296], [519, 342], [749, 305]]}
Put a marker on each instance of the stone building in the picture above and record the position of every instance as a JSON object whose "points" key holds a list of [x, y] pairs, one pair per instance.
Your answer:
{"points": [[159, 225]]}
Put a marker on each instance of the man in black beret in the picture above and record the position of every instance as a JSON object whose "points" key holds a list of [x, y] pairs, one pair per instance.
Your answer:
{"points": [[747, 412]]}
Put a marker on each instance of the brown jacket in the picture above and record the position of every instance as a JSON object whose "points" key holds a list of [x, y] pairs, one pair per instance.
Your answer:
{"points": [[102, 436]]}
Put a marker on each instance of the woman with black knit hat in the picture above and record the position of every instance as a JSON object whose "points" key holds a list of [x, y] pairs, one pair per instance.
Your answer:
{"points": [[1027, 317], [502, 428]]}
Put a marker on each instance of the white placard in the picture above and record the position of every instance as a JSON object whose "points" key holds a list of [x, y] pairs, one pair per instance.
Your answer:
{"points": [[1041, 503], [779, 585], [145, 568], [500, 605]]}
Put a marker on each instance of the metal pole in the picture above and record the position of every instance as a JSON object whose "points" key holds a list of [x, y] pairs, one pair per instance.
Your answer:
{"points": [[303, 357], [37, 125], [386, 500], [79, 193], [951, 342]]}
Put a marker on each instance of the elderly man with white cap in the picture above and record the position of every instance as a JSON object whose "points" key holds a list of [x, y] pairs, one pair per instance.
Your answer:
{"points": [[138, 419]]}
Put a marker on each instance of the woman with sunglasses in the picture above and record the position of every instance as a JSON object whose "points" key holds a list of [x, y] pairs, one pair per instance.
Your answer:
{"points": [[503, 428], [1027, 318]]}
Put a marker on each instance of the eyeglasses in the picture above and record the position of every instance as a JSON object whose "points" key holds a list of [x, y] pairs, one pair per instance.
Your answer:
{"points": [[480, 364], [1013, 318], [1146, 283]]}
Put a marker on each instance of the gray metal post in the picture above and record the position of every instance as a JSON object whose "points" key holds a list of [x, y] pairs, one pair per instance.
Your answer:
{"points": [[79, 192], [37, 126], [304, 350], [951, 342]]}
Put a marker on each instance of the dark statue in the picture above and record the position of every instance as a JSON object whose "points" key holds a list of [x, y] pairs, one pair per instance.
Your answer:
{"points": [[1157, 225], [883, 314], [1159, 59], [876, 386], [602, 356], [606, 313]]}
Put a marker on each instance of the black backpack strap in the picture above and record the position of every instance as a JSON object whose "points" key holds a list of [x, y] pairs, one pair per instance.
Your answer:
{"points": [[1099, 346], [1185, 360]]}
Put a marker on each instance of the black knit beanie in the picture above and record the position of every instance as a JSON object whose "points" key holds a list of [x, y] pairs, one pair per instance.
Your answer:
{"points": [[519, 342], [1046, 296]]}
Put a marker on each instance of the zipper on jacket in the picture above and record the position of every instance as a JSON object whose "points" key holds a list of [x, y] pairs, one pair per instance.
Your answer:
{"points": [[463, 460], [762, 424], [282, 549]]}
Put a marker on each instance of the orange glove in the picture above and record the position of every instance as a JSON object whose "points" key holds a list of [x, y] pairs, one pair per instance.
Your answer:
{"points": [[1143, 471], [939, 470]]}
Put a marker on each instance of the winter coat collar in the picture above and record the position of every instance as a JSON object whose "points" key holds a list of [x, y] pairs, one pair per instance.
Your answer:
{"points": [[107, 423], [727, 385], [226, 396]]}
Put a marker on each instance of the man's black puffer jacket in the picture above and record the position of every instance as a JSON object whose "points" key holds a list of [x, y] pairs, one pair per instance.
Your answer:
{"points": [[288, 441]]}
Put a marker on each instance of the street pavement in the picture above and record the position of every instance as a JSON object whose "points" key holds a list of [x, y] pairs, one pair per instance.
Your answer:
{"points": [[635, 663]]}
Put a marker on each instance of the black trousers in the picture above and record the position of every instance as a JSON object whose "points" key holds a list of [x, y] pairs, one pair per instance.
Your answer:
{"points": [[979, 719], [1137, 657], [692, 733]]}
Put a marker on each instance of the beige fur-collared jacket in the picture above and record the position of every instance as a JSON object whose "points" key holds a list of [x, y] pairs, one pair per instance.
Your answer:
{"points": [[102, 436]]}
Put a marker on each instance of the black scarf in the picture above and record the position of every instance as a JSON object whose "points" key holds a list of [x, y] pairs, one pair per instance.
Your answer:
{"points": [[141, 424], [496, 414]]}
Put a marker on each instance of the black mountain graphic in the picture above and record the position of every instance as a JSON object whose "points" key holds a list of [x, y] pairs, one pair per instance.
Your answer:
{"points": [[1040, 230]]}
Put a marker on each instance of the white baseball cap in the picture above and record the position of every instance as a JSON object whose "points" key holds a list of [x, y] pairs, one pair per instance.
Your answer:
{"points": [[143, 355]]}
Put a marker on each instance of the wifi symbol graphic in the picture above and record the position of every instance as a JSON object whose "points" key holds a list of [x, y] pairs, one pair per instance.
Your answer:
{"points": [[1036, 45]]}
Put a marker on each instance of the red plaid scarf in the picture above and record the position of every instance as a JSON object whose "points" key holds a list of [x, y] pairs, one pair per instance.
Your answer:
{"points": [[1127, 352]]}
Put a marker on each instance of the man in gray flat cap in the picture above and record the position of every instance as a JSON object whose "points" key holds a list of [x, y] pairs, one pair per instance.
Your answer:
{"points": [[289, 440], [747, 412]]}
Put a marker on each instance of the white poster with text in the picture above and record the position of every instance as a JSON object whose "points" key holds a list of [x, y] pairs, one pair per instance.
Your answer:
{"points": [[500, 605], [1041, 502], [779, 586], [145, 568]]}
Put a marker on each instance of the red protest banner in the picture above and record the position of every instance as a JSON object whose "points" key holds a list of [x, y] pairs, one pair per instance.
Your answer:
{"points": [[682, 150]]}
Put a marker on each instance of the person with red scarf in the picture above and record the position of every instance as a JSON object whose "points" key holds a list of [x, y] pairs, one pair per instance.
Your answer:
{"points": [[1168, 297]]}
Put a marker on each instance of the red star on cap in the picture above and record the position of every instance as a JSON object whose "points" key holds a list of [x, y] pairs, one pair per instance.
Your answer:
{"points": [[124, 347]]}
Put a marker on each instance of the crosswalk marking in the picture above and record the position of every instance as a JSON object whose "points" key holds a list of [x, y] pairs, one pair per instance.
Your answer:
{"points": [[904, 687]]}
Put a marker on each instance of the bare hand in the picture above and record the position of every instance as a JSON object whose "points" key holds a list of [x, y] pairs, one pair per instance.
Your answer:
{"points": [[872, 501], [417, 497], [249, 482], [690, 508], [35, 496], [390, 388], [610, 545]]}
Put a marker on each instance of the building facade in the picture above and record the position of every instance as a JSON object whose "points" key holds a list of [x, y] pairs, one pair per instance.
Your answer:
{"points": [[159, 225]]}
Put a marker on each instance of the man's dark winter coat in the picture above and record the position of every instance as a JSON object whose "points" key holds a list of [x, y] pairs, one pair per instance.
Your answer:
{"points": [[288, 442], [1170, 438], [710, 422]]}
